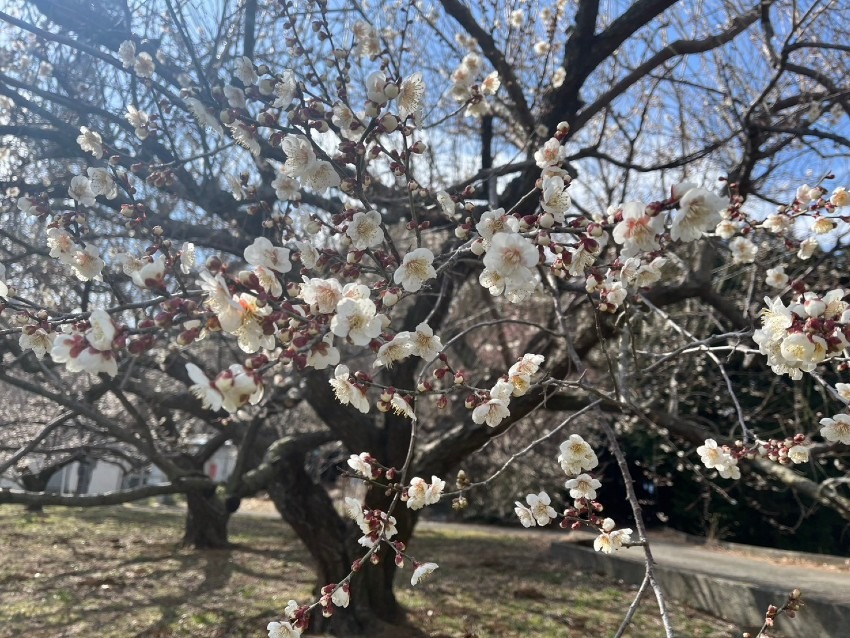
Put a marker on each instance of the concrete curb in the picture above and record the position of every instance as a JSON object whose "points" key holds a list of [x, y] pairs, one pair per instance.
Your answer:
{"points": [[741, 602]]}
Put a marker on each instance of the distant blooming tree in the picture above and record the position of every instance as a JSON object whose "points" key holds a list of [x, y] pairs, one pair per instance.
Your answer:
{"points": [[419, 230]]}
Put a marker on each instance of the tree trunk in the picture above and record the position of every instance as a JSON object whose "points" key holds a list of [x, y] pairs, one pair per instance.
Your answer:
{"points": [[35, 483], [332, 543], [206, 521]]}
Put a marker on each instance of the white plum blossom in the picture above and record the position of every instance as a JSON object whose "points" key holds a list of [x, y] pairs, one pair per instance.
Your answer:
{"points": [[127, 53], [610, 539], [144, 65], [321, 294], [636, 273], [307, 254], [251, 335], [424, 343], [840, 197], [139, 120], [843, 390], [511, 257], [283, 630], [245, 137], [492, 412], [719, 458], [421, 572], [576, 455], [286, 188], [90, 142], [268, 281], [87, 263], [323, 354], [583, 486], [525, 515], [698, 212], [150, 275], [366, 42], [357, 320], [558, 77], [244, 70], [322, 177], [398, 348], [345, 120], [420, 493], [300, 157], [90, 351], [61, 244], [203, 116], [776, 223], [376, 83], [219, 299], [365, 230], [4, 289], [807, 248], [798, 454], [79, 356], [415, 269], [806, 193], [519, 374], [743, 250], [235, 97], [726, 229], [541, 48], [446, 203], [555, 200], [638, 232], [490, 84], [102, 331], [776, 277], [203, 389], [101, 183], [34, 338], [541, 508], [410, 95], [836, 429], [263, 253], [80, 190], [187, 257], [551, 154], [495, 221], [361, 465], [346, 392], [285, 89], [236, 386], [402, 407], [341, 596]]}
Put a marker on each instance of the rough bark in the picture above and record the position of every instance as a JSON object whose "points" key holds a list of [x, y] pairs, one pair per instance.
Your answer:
{"points": [[35, 483], [206, 521], [331, 542]]}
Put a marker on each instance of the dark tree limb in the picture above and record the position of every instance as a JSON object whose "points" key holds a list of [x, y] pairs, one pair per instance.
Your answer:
{"points": [[23, 497], [464, 17]]}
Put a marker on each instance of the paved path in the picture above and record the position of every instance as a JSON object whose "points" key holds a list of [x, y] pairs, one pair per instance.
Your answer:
{"points": [[828, 577], [829, 580], [733, 582]]}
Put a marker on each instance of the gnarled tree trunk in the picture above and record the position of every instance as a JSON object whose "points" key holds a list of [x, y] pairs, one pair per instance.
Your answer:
{"points": [[332, 543], [35, 483], [206, 521]]}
